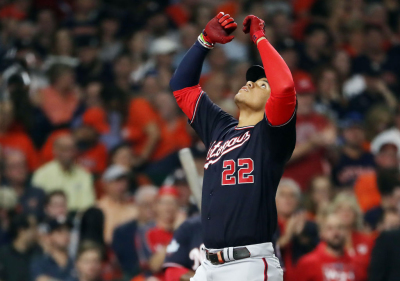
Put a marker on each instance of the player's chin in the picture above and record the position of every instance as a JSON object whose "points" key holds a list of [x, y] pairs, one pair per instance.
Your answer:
{"points": [[239, 97]]}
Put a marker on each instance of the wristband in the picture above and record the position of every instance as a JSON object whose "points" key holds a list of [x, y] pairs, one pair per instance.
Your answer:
{"points": [[204, 41], [257, 35]]}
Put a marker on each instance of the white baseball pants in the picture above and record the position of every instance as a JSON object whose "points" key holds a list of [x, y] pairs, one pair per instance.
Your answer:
{"points": [[262, 265]]}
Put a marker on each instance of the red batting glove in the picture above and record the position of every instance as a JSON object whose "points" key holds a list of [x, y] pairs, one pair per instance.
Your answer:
{"points": [[218, 30], [255, 26]]}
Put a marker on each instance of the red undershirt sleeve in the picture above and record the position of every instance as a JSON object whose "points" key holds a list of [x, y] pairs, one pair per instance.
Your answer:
{"points": [[282, 102]]}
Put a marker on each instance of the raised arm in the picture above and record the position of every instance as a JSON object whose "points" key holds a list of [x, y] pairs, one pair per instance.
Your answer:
{"points": [[282, 102], [185, 81]]}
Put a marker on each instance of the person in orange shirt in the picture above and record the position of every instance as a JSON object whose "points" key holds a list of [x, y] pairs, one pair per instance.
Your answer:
{"points": [[16, 140], [366, 186], [60, 101], [155, 135], [175, 126], [92, 154]]}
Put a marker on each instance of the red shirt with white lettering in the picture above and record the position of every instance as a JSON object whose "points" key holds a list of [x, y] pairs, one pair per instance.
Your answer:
{"points": [[319, 265]]}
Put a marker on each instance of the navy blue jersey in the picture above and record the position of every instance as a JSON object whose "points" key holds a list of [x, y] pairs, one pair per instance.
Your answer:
{"points": [[244, 165], [242, 171], [185, 248]]}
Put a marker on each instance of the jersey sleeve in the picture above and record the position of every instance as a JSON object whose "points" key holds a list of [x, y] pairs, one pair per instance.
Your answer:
{"points": [[204, 116], [281, 140], [179, 248]]}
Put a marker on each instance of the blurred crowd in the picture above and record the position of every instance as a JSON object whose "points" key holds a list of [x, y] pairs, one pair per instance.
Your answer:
{"points": [[91, 187]]}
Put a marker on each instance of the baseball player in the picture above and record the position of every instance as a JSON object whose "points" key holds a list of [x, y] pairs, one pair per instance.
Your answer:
{"points": [[246, 157], [184, 253]]}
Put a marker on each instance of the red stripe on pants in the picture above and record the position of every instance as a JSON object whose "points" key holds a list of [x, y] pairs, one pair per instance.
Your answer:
{"points": [[265, 269]]}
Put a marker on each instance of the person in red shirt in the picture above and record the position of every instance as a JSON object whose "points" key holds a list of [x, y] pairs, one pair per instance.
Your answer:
{"points": [[314, 135], [161, 234], [358, 244], [329, 261], [11, 140]]}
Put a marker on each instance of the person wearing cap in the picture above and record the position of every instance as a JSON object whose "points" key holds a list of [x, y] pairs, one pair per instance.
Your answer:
{"points": [[114, 204], [376, 92], [92, 154], [353, 160], [161, 234], [55, 263], [63, 173], [386, 151], [90, 66], [314, 135], [15, 257], [388, 181], [246, 157]]}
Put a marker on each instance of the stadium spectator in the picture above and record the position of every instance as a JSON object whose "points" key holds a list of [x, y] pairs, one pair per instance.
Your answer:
{"points": [[390, 220], [8, 203], [314, 135], [92, 154], [297, 235], [129, 240], [386, 152], [376, 93], [55, 206], [315, 51], [330, 100], [161, 234], [60, 101], [114, 203], [16, 174], [352, 160], [184, 253], [385, 264], [62, 173], [358, 244], [88, 262], [15, 140], [389, 188], [55, 263], [15, 257], [329, 259], [318, 196]]}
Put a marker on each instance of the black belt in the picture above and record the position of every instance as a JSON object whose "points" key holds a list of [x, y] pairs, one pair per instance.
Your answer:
{"points": [[218, 257]]}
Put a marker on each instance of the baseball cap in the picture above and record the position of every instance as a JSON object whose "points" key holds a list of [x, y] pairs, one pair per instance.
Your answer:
{"points": [[96, 118], [304, 85], [163, 46], [352, 119], [255, 73], [168, 190], [115, 172], [391, 137]]}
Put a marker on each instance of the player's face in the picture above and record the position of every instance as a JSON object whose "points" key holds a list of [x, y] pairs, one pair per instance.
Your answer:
{"points": [[254, 95]]}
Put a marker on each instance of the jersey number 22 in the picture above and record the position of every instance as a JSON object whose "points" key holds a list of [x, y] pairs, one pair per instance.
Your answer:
{"points": [[246, 167]]}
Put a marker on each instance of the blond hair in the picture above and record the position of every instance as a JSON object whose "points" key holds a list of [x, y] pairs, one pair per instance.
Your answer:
{"points": [[350, 200]]}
